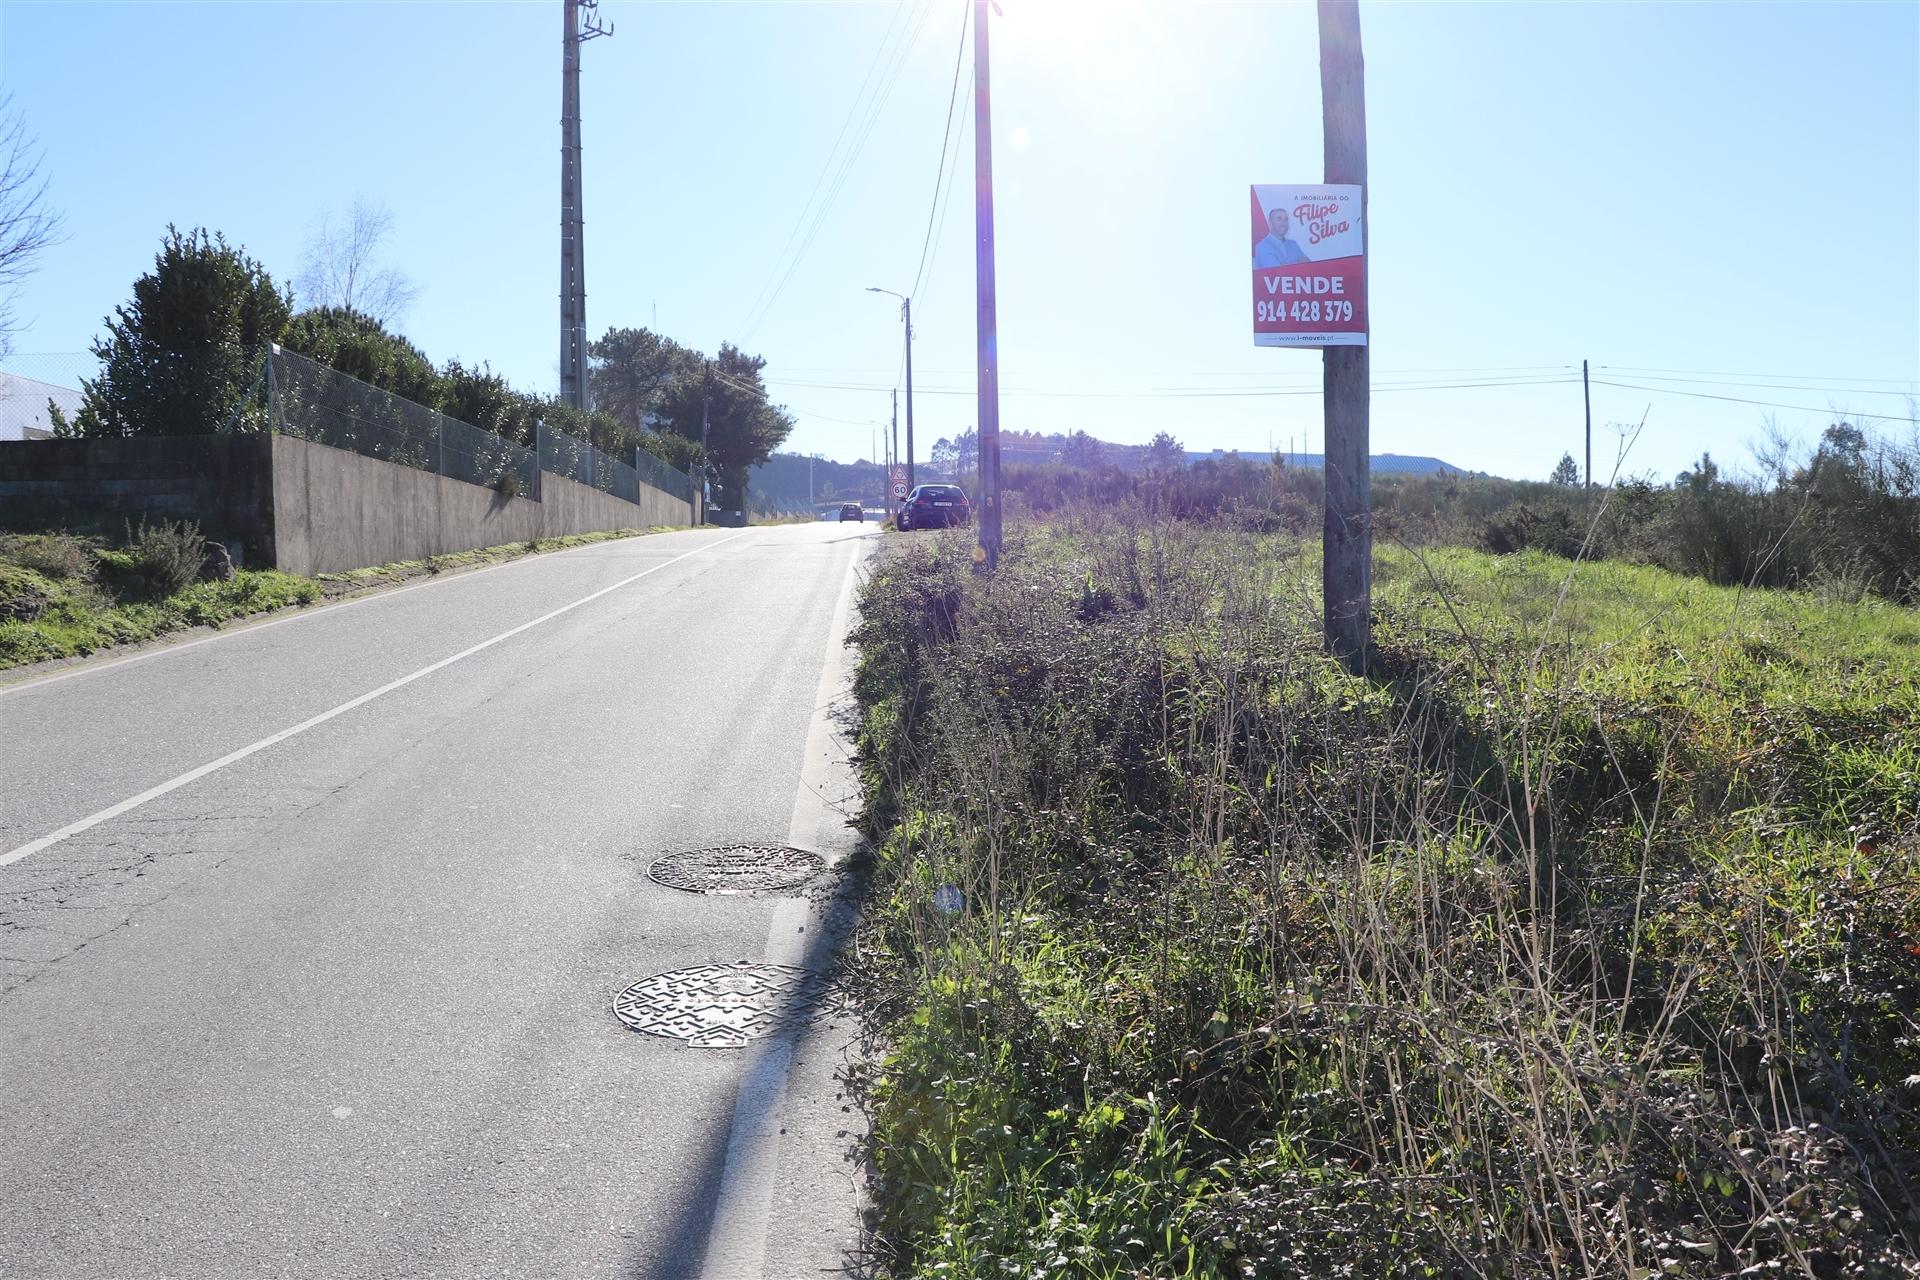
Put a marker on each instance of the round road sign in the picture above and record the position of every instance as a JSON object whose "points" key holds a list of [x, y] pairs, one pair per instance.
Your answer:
{"points": [[899, 488]]}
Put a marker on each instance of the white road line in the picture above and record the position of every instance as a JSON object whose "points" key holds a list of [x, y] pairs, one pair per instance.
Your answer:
{"points": [[161, 648], [737, 1238], [194, 775]]}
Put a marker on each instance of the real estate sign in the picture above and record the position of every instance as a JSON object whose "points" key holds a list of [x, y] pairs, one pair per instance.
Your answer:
{"points": [[1309, 267]]}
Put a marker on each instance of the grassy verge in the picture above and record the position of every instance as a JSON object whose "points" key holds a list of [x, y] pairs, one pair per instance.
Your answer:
{"points": [[1582, 939], [354, 581], [63, 596]]}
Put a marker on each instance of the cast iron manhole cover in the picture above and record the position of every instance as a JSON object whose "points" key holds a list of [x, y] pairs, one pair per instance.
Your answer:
{"points": [[736, 868], [722, 1006]]}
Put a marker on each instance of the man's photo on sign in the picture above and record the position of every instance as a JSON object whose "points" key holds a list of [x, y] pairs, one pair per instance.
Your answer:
{"points": [[1277, 250]]}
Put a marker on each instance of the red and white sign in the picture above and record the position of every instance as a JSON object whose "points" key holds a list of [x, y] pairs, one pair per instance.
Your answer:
{"points": [[899, 483], [1309, 267]]}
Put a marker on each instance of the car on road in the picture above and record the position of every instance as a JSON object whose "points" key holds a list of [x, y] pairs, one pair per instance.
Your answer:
{"points": [[931, 505], [852, 511]]}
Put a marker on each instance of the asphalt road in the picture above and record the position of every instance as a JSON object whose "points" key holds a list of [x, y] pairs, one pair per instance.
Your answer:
{"points": [[340, 1005]]}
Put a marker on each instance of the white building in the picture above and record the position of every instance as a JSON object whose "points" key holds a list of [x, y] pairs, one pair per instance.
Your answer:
{"points": [[23, 406]]}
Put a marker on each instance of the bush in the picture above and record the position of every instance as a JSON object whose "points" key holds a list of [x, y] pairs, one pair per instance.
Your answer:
{"points": [[183, 357], [165, 557]]}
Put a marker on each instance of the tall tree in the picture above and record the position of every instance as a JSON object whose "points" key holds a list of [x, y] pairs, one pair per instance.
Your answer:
{"points": [[743, 426], [342, 268], [183, 357], [634, 371], [26, 225], [1082, 450], [1565, 472], [1164, 453]]}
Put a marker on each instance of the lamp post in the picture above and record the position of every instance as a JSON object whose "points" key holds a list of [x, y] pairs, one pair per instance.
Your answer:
{"points": [[906, 314]]}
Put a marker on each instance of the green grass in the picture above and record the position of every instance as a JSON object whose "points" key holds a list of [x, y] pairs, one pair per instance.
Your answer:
{"points": [[354, 580], [1582, 936], [78, 618], [63, 596]]}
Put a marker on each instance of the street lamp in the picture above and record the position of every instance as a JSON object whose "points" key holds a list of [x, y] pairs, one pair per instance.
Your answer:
{"points": [[906, 313]]}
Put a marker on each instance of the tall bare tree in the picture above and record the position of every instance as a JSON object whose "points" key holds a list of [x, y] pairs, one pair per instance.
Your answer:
{"points": [[27, 226], [341, 267]]}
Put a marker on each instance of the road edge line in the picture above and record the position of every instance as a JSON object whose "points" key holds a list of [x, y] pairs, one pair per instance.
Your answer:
{"points": [[233, 757], [742, 1205], [160, 645]]}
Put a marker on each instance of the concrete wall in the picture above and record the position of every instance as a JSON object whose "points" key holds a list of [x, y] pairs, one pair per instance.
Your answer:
{"points": [[224, 483], [302, 507], [334, 510]]}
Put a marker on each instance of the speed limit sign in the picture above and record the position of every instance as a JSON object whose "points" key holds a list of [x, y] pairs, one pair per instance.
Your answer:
{"points": [[899, 489]]}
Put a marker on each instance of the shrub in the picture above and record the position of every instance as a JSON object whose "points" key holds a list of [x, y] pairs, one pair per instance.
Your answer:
{"points": [[166, 557], [183, 357]]}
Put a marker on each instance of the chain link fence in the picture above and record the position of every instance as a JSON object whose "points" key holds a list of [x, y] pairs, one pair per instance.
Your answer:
{"points": [[309, 401], [313, 402], [29, 380], [662, 476]]}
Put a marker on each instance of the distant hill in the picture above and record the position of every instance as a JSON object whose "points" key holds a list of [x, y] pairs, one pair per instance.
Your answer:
{"points": [[781, 484], [1383, 463]]}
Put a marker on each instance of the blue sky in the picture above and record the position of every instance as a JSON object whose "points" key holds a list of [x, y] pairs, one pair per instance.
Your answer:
{"points": [[1717, 199]]}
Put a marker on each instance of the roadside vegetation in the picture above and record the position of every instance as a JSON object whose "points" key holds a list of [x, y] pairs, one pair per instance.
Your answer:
{"points": [[354, 581], [65, 595], [1579, 938], [1840, 515], [185, 356]]}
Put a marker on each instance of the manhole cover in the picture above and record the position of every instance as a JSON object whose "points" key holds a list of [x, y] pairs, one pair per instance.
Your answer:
{"points": [[736, 868], [722, 1006]]}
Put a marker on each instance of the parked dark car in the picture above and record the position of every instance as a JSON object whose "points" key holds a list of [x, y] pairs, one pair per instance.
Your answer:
{"points": [[934, 505], [852, 511]]}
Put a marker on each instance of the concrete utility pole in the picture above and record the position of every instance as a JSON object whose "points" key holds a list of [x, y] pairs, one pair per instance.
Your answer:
{"points": [[573, 266], [906, 315], [987, 335], [1347, 573], [1586, 390], [906, 310]]}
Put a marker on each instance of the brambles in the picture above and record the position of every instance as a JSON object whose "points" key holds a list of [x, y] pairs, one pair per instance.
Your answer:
{"points": [[1552, 948]]}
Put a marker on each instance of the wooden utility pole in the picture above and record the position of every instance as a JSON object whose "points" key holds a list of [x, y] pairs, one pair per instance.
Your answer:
{"points": [[573, 265], [1347, 573], [1586, 390], [988, 320]]}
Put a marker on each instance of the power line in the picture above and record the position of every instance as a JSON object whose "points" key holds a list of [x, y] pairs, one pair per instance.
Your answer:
{"points": [[1205, 373], [1803, 377], [1183, 393], [862, 131], [1774, 386], [826, 166], [1768, 404], [946, 197], [946, 137]]}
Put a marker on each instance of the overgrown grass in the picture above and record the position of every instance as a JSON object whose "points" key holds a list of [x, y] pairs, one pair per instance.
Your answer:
{"points": [[63, 596], [1581, 939]]}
